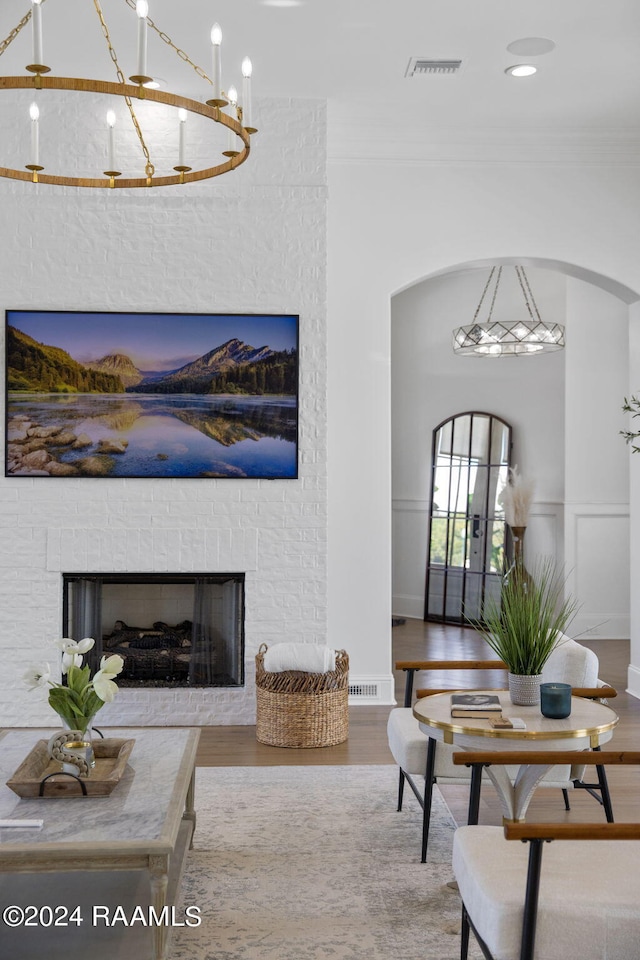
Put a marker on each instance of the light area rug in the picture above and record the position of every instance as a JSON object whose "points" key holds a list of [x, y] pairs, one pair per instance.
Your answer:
{"points": [[316, 863]]}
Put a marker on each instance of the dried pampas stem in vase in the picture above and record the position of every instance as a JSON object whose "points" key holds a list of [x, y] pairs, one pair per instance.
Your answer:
{"points": [[516, 499]]}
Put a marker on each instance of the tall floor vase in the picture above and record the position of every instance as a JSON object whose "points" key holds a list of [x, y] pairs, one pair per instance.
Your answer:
{"points": [[517, 570]]}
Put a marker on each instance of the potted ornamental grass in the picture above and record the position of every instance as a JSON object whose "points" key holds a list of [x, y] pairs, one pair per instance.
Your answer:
{"points": [[524, 625]]}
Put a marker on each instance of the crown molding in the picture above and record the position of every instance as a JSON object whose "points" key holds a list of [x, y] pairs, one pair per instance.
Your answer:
{"points": [[388, 139]]}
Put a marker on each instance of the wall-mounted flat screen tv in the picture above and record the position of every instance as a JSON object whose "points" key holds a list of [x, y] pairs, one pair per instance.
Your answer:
{"points": [[101, 394]]}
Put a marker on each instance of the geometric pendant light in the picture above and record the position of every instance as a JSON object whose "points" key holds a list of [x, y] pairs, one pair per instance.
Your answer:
{"points": [[511, 338]]}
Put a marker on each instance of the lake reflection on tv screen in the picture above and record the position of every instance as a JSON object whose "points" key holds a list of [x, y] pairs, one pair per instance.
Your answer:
{"points": [[169, 436]]}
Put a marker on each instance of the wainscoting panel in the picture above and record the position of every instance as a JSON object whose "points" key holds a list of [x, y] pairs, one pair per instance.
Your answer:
{"points": [[590, 543], [597, 563], [410, 521], [544, 536]]}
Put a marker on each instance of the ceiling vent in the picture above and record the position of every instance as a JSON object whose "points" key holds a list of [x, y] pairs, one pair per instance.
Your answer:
{"points": [[418, 66]]}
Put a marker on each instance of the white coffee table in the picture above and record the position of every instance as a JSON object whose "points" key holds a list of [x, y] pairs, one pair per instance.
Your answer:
{"points": [[97, 849]]}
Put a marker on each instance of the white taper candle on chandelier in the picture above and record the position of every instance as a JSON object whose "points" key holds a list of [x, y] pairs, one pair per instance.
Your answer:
{"points": [[216, 77], [142, 9], [111, 122], [232, 93], [36, 20], [182, 124], [247, 70], [34, 113]]}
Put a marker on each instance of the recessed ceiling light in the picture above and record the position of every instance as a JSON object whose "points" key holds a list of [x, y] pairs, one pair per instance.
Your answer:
{"points": [[282, 3], [155, 84], [531, 46], [522, 70]]}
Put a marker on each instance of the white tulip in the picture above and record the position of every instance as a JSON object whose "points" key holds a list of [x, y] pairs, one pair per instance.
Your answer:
{"points": [[111, 666], [71, 660], [104, 686], [76, 647], [37, 676]]}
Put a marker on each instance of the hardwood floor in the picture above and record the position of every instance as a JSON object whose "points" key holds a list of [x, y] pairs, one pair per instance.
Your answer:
{"points": [[367, 743]]}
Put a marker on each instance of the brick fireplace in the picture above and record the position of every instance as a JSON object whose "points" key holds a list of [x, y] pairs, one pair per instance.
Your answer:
{"points": [[251, 242], [281, 564]]}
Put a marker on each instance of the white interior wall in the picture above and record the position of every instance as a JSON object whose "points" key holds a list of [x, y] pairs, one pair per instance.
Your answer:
{"points": [[392, 224], [596, 464], [430, 383], [255, 240]]}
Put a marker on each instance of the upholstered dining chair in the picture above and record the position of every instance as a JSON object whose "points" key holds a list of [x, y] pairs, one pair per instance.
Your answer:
{"points": [[573, 893], [570, 662], [573, 663]]}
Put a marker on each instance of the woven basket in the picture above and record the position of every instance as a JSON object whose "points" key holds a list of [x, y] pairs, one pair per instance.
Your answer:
{"points": [[297, 709]]}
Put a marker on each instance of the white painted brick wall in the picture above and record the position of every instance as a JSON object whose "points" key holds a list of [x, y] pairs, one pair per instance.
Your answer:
{"points": [[253, 240]]}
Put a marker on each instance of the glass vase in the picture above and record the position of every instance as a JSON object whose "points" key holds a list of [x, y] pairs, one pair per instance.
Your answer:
{"points": [[84, 745]]}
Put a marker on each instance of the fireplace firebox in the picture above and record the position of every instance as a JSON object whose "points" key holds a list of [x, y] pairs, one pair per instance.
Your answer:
{"points": [[172, 630]]}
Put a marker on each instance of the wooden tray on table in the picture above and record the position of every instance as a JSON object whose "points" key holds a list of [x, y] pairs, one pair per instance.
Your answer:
{"points": [[111, 760]]}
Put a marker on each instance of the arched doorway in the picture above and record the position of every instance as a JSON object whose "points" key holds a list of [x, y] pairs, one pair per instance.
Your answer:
{"points": [[561, 416]]}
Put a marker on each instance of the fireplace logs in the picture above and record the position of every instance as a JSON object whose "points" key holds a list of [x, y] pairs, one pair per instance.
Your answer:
{"points": [[160, 652]]}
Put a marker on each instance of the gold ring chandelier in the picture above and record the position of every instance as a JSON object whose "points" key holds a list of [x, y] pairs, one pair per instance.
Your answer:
{"points": [[237, 122]]}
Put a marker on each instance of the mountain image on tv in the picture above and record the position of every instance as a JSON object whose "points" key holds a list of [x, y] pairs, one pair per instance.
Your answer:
{"points": [[151, 395], [234, 367], [39, 368]]}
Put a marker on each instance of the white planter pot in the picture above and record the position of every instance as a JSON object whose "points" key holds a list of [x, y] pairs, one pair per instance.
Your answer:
{"points": [[524, 691]]}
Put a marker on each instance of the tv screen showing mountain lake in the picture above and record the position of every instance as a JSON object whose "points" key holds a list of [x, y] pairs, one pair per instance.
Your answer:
{"points": [[151, 395]]}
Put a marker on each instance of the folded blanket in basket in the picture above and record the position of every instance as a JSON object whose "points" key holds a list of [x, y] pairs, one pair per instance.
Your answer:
{"points": [[308, 657]]}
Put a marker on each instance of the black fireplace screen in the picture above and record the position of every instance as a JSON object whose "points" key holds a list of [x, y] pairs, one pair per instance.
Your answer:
{"points": [[171, 630]]}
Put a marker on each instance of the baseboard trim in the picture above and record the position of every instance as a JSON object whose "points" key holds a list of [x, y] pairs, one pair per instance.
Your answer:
{"points": [[633, 680], [405, 605]]}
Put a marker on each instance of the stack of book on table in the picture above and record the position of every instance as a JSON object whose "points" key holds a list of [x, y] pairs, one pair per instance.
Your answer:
{"points": [[478, 705]]}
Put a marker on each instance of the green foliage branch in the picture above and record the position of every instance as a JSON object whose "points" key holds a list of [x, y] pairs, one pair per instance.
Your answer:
{"points": [[632, 405]]}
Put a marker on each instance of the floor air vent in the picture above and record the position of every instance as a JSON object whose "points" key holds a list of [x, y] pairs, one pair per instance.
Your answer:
{"points": [[368, 690], [419, 66]]}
